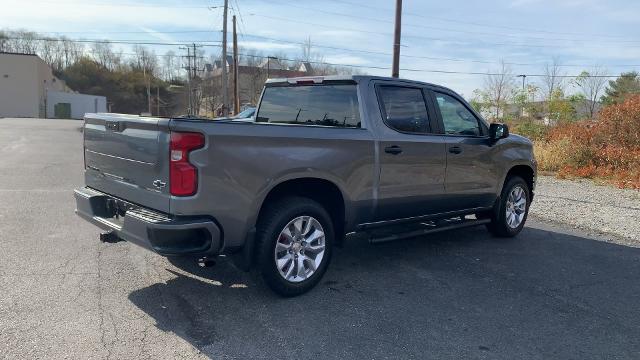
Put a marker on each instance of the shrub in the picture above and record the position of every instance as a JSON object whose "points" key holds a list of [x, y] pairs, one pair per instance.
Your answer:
{"points": [[608, 148], [530, 129]]}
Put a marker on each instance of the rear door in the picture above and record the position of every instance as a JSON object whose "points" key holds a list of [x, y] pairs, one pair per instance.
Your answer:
{"points": [[412, 157], [127, 156], [471, 175]]}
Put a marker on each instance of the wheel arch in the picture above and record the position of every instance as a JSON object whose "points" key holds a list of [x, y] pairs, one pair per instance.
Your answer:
{"points": [[326, 192], [524, 171]]}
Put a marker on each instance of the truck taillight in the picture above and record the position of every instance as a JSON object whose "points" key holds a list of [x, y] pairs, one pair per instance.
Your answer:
{"points": [[183, 176]]}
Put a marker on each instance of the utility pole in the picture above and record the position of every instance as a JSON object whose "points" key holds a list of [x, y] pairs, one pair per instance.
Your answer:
{"points": [[158, 101], [524, 93], [196, 109], [236, 97], [523, 79], [225, 86], [144, 75], [188, 68], [395, 72]]}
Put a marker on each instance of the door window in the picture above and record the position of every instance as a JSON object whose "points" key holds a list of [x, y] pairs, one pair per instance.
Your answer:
{"points": [[456, 118], [404, 109]]}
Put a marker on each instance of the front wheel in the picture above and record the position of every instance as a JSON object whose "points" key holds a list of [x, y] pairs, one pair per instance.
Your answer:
{"points": [[510, 214], [295, 238]]}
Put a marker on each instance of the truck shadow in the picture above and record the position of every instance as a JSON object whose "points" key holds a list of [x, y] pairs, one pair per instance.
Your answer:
{"points": [[456, 294]]}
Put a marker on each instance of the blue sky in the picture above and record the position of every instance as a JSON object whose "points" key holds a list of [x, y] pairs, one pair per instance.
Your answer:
{"points": [[460, 36]]}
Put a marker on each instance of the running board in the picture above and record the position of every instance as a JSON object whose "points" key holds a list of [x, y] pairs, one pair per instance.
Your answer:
{"points": [[429, 228]]}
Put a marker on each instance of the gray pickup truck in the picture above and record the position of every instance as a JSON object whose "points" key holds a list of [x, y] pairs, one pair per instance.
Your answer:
{"points": [[323, 157]]}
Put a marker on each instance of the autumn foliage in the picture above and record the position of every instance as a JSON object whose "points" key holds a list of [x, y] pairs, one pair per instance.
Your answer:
{"points": [[606, 148]]}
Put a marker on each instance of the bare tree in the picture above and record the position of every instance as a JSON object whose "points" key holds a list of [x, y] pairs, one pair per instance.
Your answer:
{"points": [[104, 55], [22, 41], [51, 53], [4, 42], [591, 84], [144, 59], [553, 77], [170, 66], [253, 78], [498, 89], [72, 51]]}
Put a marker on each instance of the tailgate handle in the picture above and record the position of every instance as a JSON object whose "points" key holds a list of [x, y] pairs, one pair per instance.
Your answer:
{"points": [[115, 126]]}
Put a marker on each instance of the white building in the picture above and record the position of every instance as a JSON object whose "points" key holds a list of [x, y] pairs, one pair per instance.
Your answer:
{"points": [[70, 105], [28, 88]]}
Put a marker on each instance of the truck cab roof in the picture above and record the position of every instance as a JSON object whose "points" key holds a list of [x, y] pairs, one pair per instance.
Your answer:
{"points": [[339, 78]]}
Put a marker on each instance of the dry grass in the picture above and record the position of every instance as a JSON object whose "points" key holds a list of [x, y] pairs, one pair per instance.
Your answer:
{"points": [[551, 155]]}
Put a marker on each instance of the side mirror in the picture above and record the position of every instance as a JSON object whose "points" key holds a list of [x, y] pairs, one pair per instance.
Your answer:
{"points": [[498, 131]]}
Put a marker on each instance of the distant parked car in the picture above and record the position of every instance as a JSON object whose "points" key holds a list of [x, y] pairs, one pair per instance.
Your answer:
{"points": [[244, 115]]}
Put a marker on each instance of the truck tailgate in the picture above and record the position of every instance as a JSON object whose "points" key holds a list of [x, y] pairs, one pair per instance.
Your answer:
{"points": [[127, 156]]}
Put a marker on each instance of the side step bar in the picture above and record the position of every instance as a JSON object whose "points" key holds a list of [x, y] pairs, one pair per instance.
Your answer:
{"points": [[429, 227]]}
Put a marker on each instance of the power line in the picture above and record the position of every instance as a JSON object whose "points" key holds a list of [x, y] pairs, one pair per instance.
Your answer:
{"points": [[240, 16], [426, 57], [427, 70], [312, 62], [457, 21], [378, 20], [416, 36], [115, 4], [358, 50], [134, 32], [208, 44], [421, 16], [101, 41]]}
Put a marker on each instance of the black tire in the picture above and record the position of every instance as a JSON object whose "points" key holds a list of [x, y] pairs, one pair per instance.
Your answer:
{"points": [[274, 219], [499, 225]]}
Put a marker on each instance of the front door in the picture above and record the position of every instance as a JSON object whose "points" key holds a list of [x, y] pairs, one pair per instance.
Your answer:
{"points": [[412, 157], [471, 177]]}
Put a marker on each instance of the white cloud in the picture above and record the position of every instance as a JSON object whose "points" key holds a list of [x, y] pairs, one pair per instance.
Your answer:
{"points": [[157, 35]]}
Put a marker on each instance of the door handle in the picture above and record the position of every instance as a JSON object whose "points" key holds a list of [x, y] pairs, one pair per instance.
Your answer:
{"points": [[455, 149], [395, 150]]}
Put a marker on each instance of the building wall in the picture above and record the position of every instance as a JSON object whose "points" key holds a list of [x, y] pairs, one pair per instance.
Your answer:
{"points": [[19, 91], [80, 103], [47, 82], [24, 83]]}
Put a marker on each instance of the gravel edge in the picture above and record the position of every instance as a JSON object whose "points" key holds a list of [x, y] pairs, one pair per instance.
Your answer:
{"points": [[609, 212]]}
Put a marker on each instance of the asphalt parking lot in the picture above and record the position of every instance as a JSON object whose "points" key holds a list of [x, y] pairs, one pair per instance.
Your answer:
{"points": [[549, 293]]}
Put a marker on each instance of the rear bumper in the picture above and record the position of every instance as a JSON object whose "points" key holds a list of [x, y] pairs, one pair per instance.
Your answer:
{"points": [[166, 235]]}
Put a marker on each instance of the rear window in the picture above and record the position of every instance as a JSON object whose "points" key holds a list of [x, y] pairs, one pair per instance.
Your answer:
{"points": [[325, 105]]}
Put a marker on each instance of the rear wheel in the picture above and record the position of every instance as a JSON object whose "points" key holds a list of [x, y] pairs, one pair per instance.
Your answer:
{"points": [[510, 213], [295, 237]]}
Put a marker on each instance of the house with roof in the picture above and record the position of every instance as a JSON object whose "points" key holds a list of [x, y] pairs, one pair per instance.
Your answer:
{"points": [[306, 67]]}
